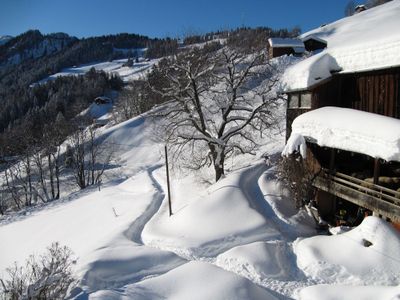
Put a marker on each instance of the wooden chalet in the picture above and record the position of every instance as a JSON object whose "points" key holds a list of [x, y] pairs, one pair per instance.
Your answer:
{"points": [[285, 46], [313, 43], [360, 77], [102, 100]]}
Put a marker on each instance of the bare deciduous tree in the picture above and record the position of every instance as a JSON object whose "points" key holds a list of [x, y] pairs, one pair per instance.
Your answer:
{"points": [[219, 101], [89, 157], [132, 101], [350, 8]]}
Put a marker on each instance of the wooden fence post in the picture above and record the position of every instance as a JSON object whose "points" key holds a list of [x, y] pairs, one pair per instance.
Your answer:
{"points": [[168, 187]]}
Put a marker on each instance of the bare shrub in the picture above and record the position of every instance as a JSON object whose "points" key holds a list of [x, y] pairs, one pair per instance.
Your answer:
{"points": [[297, 177], [46, 277]]}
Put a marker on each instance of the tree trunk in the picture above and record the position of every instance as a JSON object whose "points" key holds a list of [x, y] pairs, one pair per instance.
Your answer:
{"points": [[51, 174], [219, 171], [57, 169], [29, 177], [218, 157]]}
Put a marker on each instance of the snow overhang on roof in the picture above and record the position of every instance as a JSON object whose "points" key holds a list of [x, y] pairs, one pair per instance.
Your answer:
{"points": [[286, 43], [309, 72], [348, 129], [360, 43]]}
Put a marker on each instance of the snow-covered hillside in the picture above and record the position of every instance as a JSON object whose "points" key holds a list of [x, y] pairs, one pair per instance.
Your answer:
{"points": [[239, 239], [135, 72]]}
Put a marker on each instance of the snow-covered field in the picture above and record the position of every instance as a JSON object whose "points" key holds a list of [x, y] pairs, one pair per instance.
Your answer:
{"points": [[116, 66], [238, 239]]}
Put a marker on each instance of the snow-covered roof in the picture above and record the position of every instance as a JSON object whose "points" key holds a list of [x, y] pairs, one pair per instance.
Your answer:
{"points": [[313, 37], [360, 7], [348, 129], [286, 43], [362, 42]]}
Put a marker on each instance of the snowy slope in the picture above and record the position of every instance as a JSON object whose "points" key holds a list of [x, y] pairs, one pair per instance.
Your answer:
{"points": [[241, 238], [135, 72], [235, 237], [116, 233]]}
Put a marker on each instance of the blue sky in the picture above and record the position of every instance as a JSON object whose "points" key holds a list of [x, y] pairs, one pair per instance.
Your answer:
{"points": [[161, 18]]}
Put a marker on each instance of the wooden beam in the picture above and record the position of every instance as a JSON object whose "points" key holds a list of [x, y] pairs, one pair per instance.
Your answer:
{"points": [[377, 167], [375, 204]]}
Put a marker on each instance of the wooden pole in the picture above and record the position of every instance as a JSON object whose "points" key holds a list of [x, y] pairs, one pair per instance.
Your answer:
{"points": [[332, 162], [377, 167], [168, 187]]}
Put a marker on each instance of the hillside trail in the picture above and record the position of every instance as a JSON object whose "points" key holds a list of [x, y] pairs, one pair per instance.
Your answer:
{"points": [[251, 183], [109, 272]]}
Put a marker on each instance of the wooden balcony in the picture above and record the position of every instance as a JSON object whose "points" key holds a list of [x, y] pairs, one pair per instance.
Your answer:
{"points": [[381, 200]]}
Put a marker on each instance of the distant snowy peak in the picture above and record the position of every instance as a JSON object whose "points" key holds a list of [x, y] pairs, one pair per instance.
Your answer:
{"points": [[4, 39], [32, 45]]}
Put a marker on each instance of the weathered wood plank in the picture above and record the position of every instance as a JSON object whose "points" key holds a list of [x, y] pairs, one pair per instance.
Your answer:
{"points": [[377, 205]]}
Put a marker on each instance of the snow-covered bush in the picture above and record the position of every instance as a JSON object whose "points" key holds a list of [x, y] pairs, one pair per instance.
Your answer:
{"points": [[46, 277]]}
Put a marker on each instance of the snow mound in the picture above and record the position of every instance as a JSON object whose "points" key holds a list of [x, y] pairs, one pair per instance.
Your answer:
{"points": [[368, 254], [183, 283], [198, 230], [342, 292], [127, 262], [347, 129], [259, 261], [292, 222]]}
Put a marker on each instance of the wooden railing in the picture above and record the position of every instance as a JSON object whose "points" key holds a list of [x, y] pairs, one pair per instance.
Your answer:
{"points": [[372, 196]]}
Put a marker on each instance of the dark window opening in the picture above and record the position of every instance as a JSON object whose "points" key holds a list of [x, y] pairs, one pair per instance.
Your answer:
{"points": [[300, 100]]}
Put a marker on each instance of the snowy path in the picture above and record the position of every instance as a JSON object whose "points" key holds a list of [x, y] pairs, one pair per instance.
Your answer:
{"points": [[246, 184], [126, 260], [266, 259], [134, 232]]}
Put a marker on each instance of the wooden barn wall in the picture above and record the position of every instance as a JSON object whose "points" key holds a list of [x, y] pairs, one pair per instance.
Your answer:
{"points": [[377, 92], [281, 51], [327, 94]]}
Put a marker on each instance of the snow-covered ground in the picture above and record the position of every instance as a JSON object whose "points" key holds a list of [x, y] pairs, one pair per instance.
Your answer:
{"points": [[241, 238], [137, 71]]}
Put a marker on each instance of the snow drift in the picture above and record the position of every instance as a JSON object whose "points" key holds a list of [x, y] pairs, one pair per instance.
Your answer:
{"points": [[366, 255]]}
